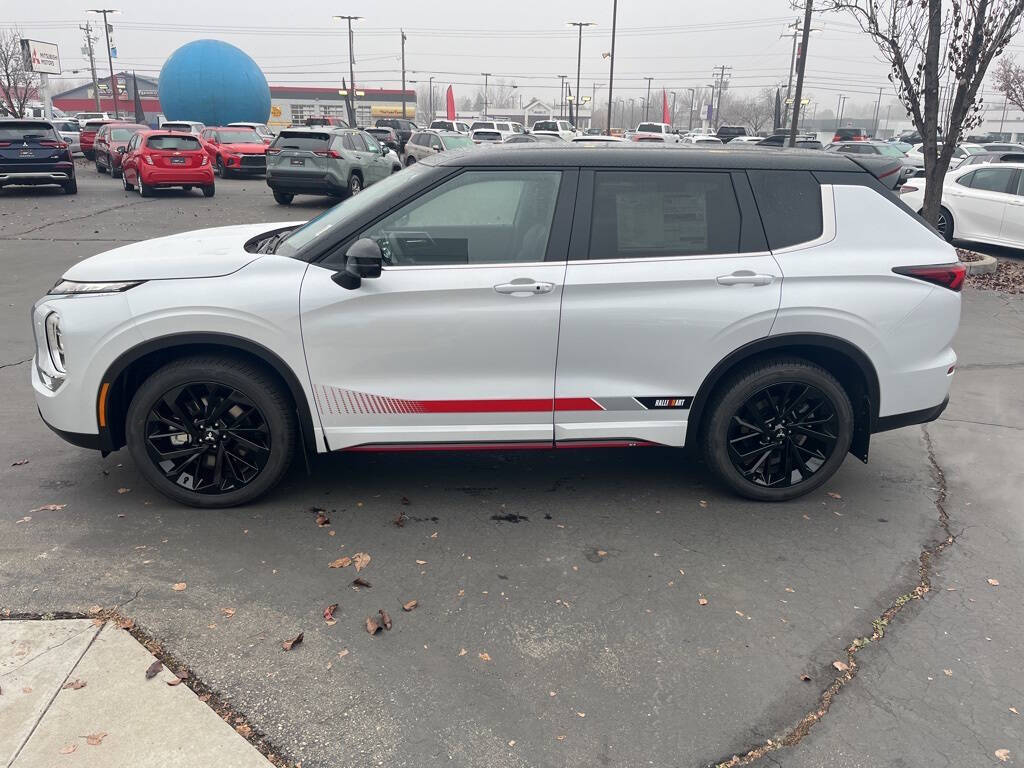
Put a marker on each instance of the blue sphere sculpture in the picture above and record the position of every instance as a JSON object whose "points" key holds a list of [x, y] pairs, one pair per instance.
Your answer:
{"points": [[215, 83]]}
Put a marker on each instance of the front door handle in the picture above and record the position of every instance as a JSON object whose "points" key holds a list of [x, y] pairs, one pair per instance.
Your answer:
{"points": [[745, 277], [524, 287]]}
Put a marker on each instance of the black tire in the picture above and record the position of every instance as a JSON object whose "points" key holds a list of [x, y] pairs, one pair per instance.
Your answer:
{"points": [[144, 189], [396, 168], [743, 433], [945, 224], [115, 173], [99, 168], [70, 187], [409, 161], [283, 198], [209, 191], [187, 188], [218, 166], [355, 184], [271, 431], [127, 187]]}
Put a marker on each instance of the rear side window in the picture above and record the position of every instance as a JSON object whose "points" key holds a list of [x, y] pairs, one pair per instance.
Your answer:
{"points": [[663, 213], [989, 179], [180, 143], [790, 206], [304, 140]]}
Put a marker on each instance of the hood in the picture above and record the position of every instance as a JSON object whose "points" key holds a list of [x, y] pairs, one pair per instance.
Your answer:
{"points": [[202, 253], [249, 149]]}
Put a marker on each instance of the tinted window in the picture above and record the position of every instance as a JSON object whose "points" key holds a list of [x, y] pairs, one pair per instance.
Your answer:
{"points": [[790, 206], [649, 128], [991, 179], [545, 125], [26, 131], [442, 125], [481, 124], [123, 134], [352, 143], [458, 142], [479, 217], [653, 213], [185, 143], [370, 142], [1020, 184], [304, 140], [240, 136]]}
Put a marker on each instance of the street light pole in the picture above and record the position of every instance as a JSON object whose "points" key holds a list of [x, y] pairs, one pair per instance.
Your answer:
{"points": [[611, 65], [403, 74], [351, 70], [647, 106], [561, 95], [110, 56], [693, 95], [486, 76], [801, 67], [579, 58], [430, 85]]}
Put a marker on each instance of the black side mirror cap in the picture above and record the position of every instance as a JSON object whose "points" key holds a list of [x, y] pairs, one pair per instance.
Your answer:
{"points": [[362, 259]]}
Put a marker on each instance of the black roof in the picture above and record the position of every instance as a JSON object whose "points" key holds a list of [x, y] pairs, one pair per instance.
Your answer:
{"points": [[614, 154]]}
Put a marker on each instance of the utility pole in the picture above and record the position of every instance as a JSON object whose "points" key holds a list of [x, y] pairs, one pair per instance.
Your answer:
{"points": [[611, 65], [647, 106], [693, 95], [795, 26], [801, 68], [674, 97], [486, 76], [561, 96], [351, 100], [839, 111], [89, 40], [430, 84], [721, 73], [110, 56], [403, 73], [579, 58], [878, 113]]}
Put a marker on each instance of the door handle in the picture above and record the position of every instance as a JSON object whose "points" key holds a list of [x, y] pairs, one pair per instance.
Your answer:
{"points": [[524, 286], [745, 277]]}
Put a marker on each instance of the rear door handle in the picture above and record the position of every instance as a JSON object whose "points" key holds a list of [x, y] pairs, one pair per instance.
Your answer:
{"points": [[524, 287], [745, 277]]}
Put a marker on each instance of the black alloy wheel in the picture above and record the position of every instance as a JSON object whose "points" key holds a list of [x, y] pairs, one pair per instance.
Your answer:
{"points": [[783, 434], [207, 438]]}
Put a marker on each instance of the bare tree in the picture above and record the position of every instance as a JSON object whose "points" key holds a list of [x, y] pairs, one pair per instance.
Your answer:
{"points": [[753, 111], [17, 85], [1010, 81], [924, 42]]}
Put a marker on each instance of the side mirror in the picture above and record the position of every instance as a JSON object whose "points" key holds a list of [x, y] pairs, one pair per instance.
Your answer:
{"points": [[362, 259], [384, 150], [122, 150], [438, 149]]}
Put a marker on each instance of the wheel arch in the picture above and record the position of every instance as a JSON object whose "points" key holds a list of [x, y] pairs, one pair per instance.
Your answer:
{"points": [[847, 362], [124, 376]]}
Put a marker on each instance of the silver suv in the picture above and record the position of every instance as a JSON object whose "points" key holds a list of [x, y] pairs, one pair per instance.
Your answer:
{"points": [[426, 143], [338, 162]]}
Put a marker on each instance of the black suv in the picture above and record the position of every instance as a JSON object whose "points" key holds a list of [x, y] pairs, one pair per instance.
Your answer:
{"points": [[33, 153], [729, 132], [403, 129]]}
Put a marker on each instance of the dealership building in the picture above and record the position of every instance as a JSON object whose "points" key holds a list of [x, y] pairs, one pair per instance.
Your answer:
{"points": [[288, 104]]}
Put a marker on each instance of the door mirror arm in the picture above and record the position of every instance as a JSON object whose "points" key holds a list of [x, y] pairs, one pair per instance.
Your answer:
{"points": [[362, 259]]}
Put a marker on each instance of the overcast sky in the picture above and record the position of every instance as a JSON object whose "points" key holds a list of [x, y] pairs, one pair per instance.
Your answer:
{"points": [[526, 42]]}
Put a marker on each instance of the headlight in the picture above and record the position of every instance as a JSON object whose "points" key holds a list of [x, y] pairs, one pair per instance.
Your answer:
{"points": [[55, 341], [70, 287]]}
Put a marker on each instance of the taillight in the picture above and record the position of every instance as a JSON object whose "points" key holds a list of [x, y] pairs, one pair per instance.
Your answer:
{"points": [[327, 153], [949, 276], [273, 150], [148, 159], [5, 143], [907, 188], [205, 160], [836, 138]]}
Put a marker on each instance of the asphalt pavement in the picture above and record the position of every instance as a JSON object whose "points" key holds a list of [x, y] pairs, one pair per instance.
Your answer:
{"points": [[577, 608]]}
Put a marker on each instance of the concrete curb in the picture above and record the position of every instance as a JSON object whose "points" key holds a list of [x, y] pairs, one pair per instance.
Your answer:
{"points": [[987, 265]]}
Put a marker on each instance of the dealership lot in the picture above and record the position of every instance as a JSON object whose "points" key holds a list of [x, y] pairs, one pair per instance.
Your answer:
{"points": [[614, 607]]}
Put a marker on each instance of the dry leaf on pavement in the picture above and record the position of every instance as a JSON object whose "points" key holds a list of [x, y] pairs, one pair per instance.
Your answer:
{"points": [[484, 656], [329, 614], [244, 730], [1014, 710], [343, 653], [385, 620], [228, 612], [124, 490], [947, 672], [463, 651], [154, 669], [834, 495], [95, 739], [73, 685], [341, 562], [67, 749], [410, 605], [1003, 755], [359, 581], [289, 644], [994, 582], [180, 586], [322, 520], [361, 560], [805, 678], [842, 666], [421, 562], [702, 600], [19, 463], [372, 626], [49, 508], [175, 680]]}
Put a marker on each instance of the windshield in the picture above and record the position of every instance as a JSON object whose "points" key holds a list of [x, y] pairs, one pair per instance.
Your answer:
{"points": [[480, 124], [545, 125], [176, 127], [972, 150], [67, 127], [443, 125], [456, 142], [352, 207], [187, 143], [124, 134], [649, 128], [304, 140], [239, 137], [891, 150]]}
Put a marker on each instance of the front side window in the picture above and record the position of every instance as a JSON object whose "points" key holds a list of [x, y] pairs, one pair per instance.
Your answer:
{"points": [[479, 217], [458, 142], [991, 179], [435, 143], [641, 214], [370, 142]]}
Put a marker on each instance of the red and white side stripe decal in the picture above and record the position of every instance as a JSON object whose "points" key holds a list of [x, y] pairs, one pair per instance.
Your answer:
{"points": [[336, 401]]}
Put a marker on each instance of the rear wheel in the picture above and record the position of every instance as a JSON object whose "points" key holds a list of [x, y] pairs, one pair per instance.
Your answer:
{"points": [[355, 185], [945, 224], [187, 188], [778, 429], [283, 198], [99, 167], [208, 191], [211, 432], [70, 187], [409, 161], [144, 189], [127, 187]]}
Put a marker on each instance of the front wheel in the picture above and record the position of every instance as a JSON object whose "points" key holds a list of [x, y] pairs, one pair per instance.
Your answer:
{"points": [[124, 180], [283, 198], [210, 431], [355, 185], [778, 429], [71, 187], [945, 224], [409, 161], [208, 191]]}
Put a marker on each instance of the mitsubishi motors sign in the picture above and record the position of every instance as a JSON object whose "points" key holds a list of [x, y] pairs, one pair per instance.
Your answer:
{"points": [[40, 57]]}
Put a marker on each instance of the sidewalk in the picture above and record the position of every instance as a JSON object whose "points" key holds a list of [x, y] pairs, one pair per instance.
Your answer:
{"points": [[117, 718]]}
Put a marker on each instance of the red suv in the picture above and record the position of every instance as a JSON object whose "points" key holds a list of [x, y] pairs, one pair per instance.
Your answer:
{"points": [[88, 136], [109, 139], [164, 159], [850, 134], [234, 150]]}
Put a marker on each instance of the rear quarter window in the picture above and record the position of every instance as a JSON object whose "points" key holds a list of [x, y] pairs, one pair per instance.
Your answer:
{"points": [[790, 206]]}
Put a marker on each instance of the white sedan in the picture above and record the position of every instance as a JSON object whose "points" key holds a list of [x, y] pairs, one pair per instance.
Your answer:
{"points": [[984, 203], [916, 155]]}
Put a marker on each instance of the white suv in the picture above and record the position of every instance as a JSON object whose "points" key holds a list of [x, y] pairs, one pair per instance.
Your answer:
{"points": [[731, 300]]}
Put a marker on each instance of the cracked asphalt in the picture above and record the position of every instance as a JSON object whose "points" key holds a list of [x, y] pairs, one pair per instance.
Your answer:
{"points": [[577, 574]]}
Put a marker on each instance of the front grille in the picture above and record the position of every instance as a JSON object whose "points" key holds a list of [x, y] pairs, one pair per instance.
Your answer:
{"points": [[253, 161]]}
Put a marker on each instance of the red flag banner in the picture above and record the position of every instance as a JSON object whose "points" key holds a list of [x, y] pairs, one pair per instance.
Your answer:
{"points": [[664, 106], [450, 103]]}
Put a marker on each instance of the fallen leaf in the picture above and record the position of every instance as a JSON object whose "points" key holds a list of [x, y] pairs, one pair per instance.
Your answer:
{"points": [[842, 666], [244, 730], [180, 586], [228, 612], [341, 562], [124, 490], [331, 533], [581, 714], [19, 463], [95, 739], [512, 743], [372, 626], [154, 669], [433, 535], [1003, 755], [67, 749], [361, 560], [26, 689], [834, 495], [125, 623], [322, 520], [329, 614], [560, 738], [385, 620], [405, 502], [343, 653], [410, 605], [483, 656], [703, 503], [805, 678], [204, 698], [463, 651], [421, 562], [73, 685], [947, 672], [359, 581], [25, 519], [174, 681], [601, 553], [49, 508], [702, 600], [289, 644], [740, 614], [400, 519], [1014, 710], [994, 582], [790, 589], [552, 694]]}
